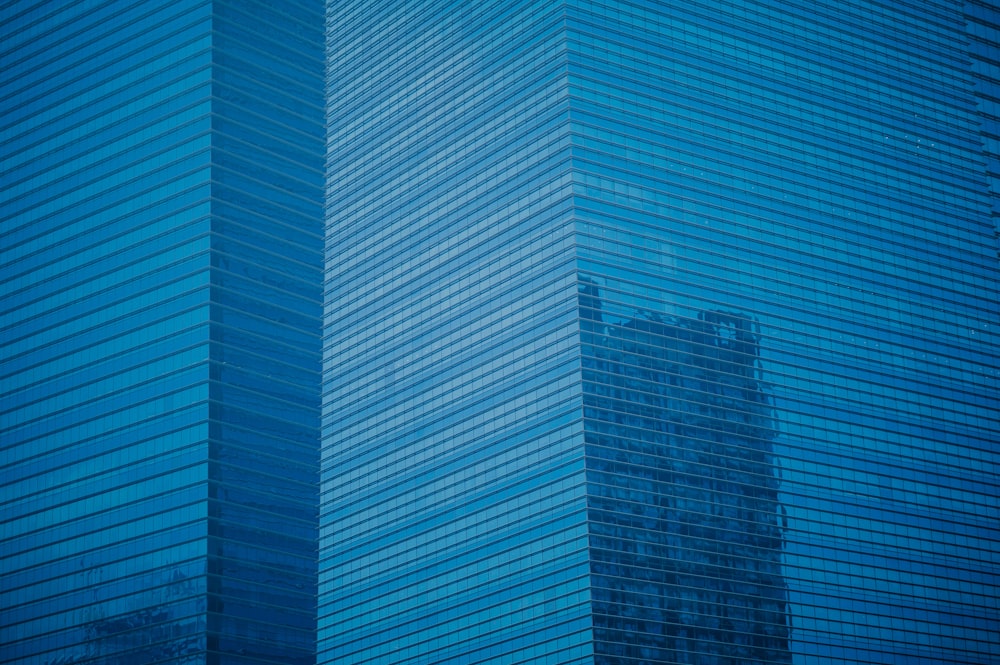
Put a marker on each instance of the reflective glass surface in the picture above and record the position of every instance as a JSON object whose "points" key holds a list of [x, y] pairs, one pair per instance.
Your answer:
{"points": [[453, 483], [161, 259], [789, 271], [749, 351]]}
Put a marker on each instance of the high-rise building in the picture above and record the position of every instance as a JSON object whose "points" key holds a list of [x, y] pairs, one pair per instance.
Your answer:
{"points": [[661, 332], [161, 258], [654, 332]]}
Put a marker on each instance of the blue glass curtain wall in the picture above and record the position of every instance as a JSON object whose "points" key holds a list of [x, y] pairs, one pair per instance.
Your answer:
{"points": [[777, 252], [161, 255]]}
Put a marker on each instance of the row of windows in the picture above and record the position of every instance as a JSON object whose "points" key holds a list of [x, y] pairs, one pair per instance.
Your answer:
{"points": [[597, 107], [868, 328], [523, 408], [519, 442], [863, 110], [176, 190], [449, 345], [112, 152], [900, 305], [899, 601], [86, 367], [158, 405], [803, 383], [518, 560], [56, 462], [135, 108], [279, 52], [67, 541], [150, 635], [485, 492], [46, 273], [36, 252], [520, 608], [520, 645], [123, 316], [471, 269], [860, 334], [684, 518], [99, 575], [171, 579], [56, 62], [482, 587], [875, 483], [789, 57], [168, 373], [846, 27], [294, 22], [880, 263], [890, 302], [432, 534], [650, 160], [663, 205], [165, 264], [479, 329], [537, 443], [837, 342], [133, 540], [501, 32], [468, 341], [387, 560], [89, 503], [855, 432], [506, 183], [759, 228], [459, 114]]}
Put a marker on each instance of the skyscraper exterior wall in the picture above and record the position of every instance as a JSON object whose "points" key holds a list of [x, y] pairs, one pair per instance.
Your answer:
{"points": [[654, 332], [161, 215], [453, 487], [661, 333]]}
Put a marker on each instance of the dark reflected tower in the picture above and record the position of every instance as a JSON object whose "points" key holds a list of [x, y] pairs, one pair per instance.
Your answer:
{"points": [[683, 494], [518, 470]]}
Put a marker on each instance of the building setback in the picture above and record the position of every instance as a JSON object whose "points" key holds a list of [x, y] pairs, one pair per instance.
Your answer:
{"points": [[660, 332], [161, 260]]}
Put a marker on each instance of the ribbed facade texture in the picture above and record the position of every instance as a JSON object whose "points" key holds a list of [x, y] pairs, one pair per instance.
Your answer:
{"points": [[789, 203], [661, 333], [581, 332], [453, 498], [161, 214]]}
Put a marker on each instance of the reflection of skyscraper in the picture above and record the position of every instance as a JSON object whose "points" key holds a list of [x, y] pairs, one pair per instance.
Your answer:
{"points": [[810, 186], [801, 185], [682, 493]]}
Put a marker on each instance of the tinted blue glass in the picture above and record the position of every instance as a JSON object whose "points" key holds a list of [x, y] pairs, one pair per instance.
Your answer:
{"points": [[268, 136], [106, 343], [686, 543], [453, 487], [161, 258], [777, 235], [789, 274], [654, 332]]}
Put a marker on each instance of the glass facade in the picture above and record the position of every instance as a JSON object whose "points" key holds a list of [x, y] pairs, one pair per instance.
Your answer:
{"points": [[635, 332], [161, 257], [686, 532], [453, 495], [789, 203], [661, 333]]}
